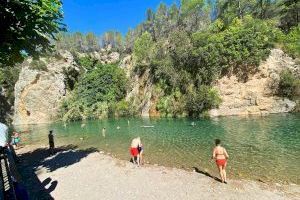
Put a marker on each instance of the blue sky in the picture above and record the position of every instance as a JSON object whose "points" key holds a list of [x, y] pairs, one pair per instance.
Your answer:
{"points": [[99, 16]]}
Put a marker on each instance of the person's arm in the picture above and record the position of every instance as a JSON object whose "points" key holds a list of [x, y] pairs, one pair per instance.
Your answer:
{"points": [[214, 154], [226, 154]]}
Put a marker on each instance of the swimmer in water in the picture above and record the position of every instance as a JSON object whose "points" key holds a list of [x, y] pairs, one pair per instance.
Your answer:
{"points": [[103, 132]]}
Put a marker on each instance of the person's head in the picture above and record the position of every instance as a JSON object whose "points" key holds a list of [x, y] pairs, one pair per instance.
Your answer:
{"points": [[51, 132], [217, 142]]}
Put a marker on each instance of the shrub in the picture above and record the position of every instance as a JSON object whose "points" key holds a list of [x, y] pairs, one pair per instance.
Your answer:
{"points": [[238, 49], [291, 42], [201, 99], [289, 84], [103, 83], [38, 65]]}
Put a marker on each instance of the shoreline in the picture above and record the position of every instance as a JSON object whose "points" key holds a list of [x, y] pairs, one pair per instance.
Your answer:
{"points": [[72, 169]]}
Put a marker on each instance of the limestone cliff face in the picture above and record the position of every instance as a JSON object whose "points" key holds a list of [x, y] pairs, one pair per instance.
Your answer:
{"points": [[141, 88], [257, 95], [38, 93]]}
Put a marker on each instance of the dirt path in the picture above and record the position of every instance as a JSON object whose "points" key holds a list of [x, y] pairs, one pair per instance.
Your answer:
{"points": [[87, 175]]}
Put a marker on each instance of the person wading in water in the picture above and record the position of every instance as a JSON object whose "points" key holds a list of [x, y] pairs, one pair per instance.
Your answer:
{"points": [[220, 155]]}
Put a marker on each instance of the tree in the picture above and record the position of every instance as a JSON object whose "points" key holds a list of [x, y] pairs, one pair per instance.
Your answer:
{"points": [[290, 14], [160, 21], [143, 47], [230, 9], [92, 42], [195, 15], [265, 9], [27, 28], [129, 40]]}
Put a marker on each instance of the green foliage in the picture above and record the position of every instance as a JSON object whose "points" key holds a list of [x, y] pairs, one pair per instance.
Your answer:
{"points": [[143, 47], [201, 99], [180, 47], [125, 108], [8, 78], [98, 93], [289, 84], [172, 105], [238, 49], [39, 65], [79, 42], [291, 42], [103, 83], [27, 28], [290, 14]]}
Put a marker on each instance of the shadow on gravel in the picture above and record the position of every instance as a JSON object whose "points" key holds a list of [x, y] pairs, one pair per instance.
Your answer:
{"points": [[206, 174], [40, 161]]}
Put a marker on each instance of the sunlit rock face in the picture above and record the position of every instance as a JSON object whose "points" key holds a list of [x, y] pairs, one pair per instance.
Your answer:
{"points": [[257, 96], [38, 92]]}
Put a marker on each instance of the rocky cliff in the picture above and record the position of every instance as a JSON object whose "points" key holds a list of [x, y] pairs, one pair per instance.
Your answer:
{"points": [[38, 92], [257, 95]]}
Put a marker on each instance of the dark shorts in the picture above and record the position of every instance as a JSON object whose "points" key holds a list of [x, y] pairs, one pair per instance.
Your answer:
{"points": [[51, 144]]}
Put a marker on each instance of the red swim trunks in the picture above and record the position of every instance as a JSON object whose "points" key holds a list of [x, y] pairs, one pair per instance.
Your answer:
{"points": [[221, 162], [134, 151]]}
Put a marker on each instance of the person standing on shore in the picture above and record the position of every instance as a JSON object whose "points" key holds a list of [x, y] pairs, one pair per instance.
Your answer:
{"points": [[134, 150], [141, 152], [51, 142], [220, 155]]}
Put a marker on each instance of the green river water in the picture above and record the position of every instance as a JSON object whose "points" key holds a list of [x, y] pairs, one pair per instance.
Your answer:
{"points": [[260, 148]]}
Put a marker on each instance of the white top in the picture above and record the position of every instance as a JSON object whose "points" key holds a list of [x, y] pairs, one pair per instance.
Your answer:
{"points": [[3, 134]]}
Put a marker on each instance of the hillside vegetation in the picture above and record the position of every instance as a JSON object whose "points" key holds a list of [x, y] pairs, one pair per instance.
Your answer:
{"points": [[186, 47]]}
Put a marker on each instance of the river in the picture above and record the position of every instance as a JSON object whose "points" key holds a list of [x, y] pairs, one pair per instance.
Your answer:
{"points": [[260, 148]]}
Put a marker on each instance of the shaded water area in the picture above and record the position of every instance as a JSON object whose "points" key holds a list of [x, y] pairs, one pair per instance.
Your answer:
{"points": [[260, 148]]}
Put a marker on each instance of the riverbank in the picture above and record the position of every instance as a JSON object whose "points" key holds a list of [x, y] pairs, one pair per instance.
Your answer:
{"points": [[88, 174]]}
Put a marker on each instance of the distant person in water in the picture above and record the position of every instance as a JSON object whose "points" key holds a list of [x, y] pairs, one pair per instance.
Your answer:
{"points": [[103, 132], [220, 155], [134, 150], [51, 142]]}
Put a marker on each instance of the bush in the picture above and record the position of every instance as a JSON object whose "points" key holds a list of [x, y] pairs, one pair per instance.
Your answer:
{"points": [[103, 83], [201, 99], [171, 105], [142, 51], [289, 84], [238, 49], [291, 42], [38, 65], [96, 94]]}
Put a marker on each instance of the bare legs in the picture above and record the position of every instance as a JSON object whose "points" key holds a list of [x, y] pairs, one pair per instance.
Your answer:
{"points": [[222, 172], [137, 160]]}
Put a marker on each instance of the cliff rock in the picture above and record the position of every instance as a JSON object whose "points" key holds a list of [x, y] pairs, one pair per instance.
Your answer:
{"points": [[257, 95], [38, 93]]}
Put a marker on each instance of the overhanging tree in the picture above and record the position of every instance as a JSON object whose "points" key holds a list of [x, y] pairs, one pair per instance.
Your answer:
{"points": [[27, 28]]}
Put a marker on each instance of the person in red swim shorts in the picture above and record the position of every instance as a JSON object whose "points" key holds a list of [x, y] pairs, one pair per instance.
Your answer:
{"points": [[220, 155], [134, 151]]}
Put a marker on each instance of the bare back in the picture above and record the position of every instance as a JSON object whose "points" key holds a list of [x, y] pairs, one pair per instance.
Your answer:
{"points": [[220, 153], [136, 142]]}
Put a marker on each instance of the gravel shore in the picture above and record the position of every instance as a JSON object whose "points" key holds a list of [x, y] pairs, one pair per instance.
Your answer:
{"points": [[88, 174]]}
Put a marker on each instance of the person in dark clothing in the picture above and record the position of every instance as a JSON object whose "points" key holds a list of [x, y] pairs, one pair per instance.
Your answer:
{"points": [[51, 142]]}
